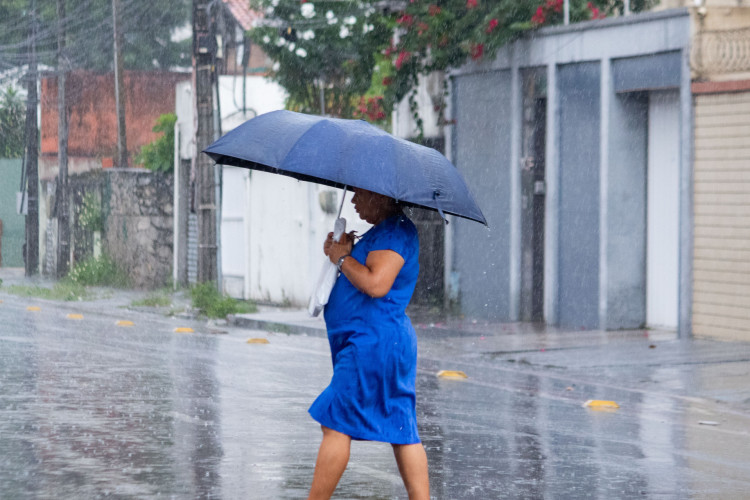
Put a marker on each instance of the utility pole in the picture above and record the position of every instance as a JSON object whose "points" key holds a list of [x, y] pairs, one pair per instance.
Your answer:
{"points": [[32, 157], [63, 209], [122, 147], [203, 47]]}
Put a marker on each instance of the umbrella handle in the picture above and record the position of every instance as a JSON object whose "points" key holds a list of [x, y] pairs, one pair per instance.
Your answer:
{"points": [[341, 206], [436, 197]]}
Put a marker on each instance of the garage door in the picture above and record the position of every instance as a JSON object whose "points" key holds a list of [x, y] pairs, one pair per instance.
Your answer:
{"points": [[721, 300]]}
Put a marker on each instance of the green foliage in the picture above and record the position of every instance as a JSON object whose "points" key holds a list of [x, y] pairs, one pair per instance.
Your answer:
{"points": [[322, 45], [12, 122], [90, 215], [101, 271], [62, 290], [158, 156], [207, 299], [154, 299]]}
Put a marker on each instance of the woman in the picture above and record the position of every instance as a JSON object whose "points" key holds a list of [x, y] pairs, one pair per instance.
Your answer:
{"points": [[373, 347]]}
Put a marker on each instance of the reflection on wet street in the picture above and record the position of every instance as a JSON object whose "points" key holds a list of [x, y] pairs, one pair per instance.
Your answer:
{"points": [[89, 409]]}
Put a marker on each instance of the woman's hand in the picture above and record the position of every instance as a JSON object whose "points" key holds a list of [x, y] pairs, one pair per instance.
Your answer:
{"points": [[375, 278], [337, 249]]}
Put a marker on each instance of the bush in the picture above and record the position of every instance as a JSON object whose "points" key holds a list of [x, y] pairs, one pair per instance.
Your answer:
{"points": [[154, 299], [158, 156], [102, 271], [207, 299], [90, 213]]}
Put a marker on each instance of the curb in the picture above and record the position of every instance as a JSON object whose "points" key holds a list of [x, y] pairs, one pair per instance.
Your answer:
{"points": [[276, 327]]}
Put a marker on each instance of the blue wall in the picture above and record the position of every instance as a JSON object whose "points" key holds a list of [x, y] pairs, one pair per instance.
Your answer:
{"points": [[626, 211], [579, 131], [482, 152]]}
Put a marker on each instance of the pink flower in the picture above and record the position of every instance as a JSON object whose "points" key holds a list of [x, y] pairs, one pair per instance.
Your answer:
{"points": [[492, 25], [595, 12], [434, 10], [470, 4], [539, 17], [387, 80], [477, 51], [406, 20], [403, 56]]}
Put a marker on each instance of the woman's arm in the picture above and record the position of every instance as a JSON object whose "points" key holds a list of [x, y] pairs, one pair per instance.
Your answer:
{"points": [[376, 277]]}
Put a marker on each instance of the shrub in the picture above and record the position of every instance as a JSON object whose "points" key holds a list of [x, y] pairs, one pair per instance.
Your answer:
{"points": [[90, 213], [101, 271], [155, 299], [62, 290], [207, 299], [158, 156]]}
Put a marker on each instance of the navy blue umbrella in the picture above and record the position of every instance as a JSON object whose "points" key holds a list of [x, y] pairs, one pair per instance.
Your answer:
{"points": [[347, 153]]}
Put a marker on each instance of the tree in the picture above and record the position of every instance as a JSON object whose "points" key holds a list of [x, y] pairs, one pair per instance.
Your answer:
{"points": [[327, 47], [12, 122], [147, 26]]}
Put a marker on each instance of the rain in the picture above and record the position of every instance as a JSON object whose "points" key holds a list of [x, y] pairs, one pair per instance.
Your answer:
{"points": [[570, 179]]}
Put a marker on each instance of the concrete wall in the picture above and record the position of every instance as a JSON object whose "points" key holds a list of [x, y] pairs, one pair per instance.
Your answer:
{"points": [[481, 147], [138, 229]]}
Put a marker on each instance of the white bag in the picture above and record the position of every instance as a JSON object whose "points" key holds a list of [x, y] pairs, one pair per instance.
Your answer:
{"points": [[327, 276]]}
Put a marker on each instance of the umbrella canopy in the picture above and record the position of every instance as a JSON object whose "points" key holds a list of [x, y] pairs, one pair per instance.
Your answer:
{"points": [[340, 153]]}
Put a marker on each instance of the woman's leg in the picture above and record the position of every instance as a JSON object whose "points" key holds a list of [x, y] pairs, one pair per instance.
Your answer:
{"points": [[331, 464], [412, 464]]}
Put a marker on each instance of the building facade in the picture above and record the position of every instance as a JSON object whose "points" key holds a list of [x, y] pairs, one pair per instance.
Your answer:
{"points": [[577, 141]]}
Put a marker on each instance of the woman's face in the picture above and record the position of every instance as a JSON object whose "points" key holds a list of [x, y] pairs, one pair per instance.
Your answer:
{"points": [[371, 207]]}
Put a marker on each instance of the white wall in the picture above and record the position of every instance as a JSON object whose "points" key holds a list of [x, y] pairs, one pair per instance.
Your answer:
{"points": [[261, 96], [662, 248], [430, 88], [286, 234]]}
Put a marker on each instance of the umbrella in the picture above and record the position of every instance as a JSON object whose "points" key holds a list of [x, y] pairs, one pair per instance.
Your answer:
{"points": [[347, 153]]}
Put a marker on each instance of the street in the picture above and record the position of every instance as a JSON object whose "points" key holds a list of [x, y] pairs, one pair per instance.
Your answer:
{"points": [[90, 409]]}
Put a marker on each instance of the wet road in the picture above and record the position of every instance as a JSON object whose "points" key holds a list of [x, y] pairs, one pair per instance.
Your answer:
{"points": [[89, 409]]}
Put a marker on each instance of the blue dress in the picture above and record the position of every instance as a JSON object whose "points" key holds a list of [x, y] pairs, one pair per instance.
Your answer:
{"points": [[374, 347]]}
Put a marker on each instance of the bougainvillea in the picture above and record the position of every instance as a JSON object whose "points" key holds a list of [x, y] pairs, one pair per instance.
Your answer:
{"points": [[434, 35], [359, 51]]}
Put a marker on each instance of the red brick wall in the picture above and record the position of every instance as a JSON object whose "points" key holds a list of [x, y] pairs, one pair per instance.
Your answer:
{"points": [[93, 115]]}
